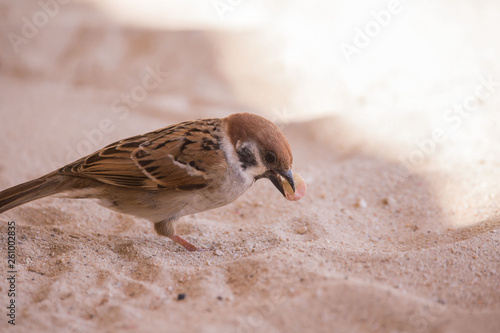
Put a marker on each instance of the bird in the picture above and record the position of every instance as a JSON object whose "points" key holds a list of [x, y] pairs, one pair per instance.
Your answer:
{"points": [[179, 170]]}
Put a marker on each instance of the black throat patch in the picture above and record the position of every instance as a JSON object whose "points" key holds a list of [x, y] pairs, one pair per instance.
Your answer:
{"points": [[246, 157]]}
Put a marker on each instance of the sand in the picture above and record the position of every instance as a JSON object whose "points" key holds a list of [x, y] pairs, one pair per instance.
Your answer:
{"points": [[376, 245]]}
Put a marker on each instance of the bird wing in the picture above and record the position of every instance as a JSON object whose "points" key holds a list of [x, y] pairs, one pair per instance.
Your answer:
{"points": [[185, 156]]}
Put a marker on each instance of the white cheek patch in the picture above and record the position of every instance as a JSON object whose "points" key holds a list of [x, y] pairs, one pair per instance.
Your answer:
{"points": [[258, 170], [245, 174], [250, 160]]}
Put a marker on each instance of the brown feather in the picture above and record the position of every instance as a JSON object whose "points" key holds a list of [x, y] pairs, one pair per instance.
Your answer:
{"points": [[179, 156]]}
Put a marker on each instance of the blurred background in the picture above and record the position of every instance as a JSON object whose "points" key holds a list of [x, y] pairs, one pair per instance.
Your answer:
{"points": [[392, 112], [417, 82]]}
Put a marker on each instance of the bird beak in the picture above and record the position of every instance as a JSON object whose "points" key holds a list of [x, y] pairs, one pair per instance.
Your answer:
{"points": [[278, 178]]}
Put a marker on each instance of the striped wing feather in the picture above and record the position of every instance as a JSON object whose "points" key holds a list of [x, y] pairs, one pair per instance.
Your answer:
{"points": [[180, 156]]}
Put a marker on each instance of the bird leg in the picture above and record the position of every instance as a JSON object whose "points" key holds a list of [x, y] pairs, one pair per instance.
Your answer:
{"points": [[188, 246], [166, 228]]}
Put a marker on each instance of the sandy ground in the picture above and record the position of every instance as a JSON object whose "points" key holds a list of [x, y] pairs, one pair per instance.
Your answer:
{"points": [[377, 244]]}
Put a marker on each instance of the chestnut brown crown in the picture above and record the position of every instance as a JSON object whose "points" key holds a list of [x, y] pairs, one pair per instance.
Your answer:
{"points": [[246, 127]]}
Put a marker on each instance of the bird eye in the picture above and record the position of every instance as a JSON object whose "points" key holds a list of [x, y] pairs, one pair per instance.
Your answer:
{"points": [[270, 157]]}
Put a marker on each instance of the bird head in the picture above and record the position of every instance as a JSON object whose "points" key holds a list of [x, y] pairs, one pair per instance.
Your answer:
{"points": [[262, 149]]}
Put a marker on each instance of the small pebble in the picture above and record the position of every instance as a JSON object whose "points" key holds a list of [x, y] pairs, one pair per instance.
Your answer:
{"points": [[361, 203], [302, 230], [219, 253], [180, 297], [389, 201]]}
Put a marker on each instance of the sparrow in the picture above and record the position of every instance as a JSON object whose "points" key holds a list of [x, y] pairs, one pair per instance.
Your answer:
{"points": [[175, 171]]}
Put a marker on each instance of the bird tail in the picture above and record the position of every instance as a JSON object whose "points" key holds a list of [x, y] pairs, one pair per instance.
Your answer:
{"points": [[32, 190]]}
